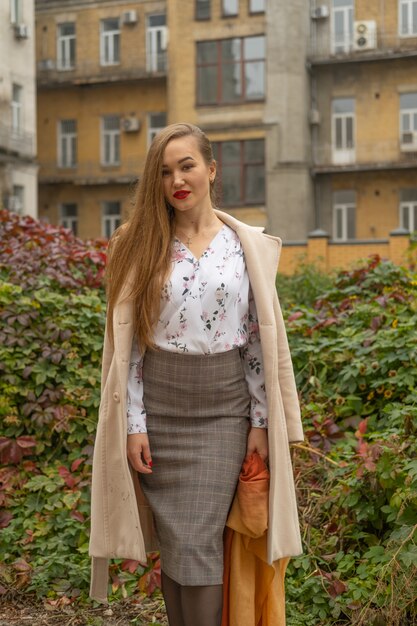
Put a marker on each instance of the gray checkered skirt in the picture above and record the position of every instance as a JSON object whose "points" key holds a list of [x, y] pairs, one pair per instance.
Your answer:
{"points": [[197, 419]]}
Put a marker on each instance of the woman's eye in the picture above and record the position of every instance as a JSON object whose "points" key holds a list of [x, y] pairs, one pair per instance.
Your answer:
{"points": [[187, 167], [165, 172]]}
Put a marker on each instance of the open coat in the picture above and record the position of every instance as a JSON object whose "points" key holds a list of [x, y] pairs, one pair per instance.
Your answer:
{"points": [[121, 520]]}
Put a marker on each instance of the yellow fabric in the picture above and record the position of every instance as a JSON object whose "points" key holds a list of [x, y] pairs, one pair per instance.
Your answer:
{"points": [[254, 590]]}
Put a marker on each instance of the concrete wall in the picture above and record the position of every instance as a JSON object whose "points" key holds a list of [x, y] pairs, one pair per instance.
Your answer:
{"points": [[18, 150]]}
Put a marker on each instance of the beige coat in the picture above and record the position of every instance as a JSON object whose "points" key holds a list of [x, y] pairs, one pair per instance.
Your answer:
{"points": [[121, 520]]}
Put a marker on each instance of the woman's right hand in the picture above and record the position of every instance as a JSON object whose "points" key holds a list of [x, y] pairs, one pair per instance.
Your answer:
{"points": [[139, 452]]}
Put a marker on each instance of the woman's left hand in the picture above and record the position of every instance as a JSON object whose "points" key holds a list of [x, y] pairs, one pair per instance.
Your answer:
{"points": [[258, 442]]}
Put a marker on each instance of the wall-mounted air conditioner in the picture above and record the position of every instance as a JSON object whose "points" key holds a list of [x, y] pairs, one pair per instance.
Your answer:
{"points": [[130, 17], [130, 124], [21, 31], [320, 13], [409, 141], [314, 117], [46, 64], [364, 35]]}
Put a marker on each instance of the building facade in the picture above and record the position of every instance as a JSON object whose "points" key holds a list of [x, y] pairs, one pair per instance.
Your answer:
{"points": [[363, 68], [18, 168], [311, 108], [102, 70]]}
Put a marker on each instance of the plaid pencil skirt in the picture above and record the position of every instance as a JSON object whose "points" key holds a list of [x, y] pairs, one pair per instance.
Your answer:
{"points": [[197, 420]]}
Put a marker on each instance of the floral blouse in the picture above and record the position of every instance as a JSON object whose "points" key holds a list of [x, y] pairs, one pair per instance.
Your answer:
{"points": [[206, 306]]}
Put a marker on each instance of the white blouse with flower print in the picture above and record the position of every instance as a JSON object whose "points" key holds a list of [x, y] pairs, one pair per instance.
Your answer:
{"points": [[206, 307]]}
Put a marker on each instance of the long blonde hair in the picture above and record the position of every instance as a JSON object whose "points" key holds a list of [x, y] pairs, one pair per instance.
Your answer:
{"points": [[141, 248]]}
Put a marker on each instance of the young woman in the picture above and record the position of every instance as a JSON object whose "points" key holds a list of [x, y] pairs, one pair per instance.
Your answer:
{"points": [[196, 375]]}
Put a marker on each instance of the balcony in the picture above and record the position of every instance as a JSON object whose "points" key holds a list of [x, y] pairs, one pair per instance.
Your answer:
{"points": [[92, 172], [369, 156], [90, 72], [383, 46], [15, 143]]}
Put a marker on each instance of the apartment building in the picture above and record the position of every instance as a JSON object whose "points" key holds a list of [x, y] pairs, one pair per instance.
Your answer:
{"points": [[363, 68], [18, 169], [102, 69]]}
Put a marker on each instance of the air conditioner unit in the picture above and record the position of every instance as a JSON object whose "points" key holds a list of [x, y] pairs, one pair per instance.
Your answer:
{"points": [[130, 124], [314, 117], [364, 35], [21, 31], [320, 13], [46, 64], [129, 17], [409, 141]]}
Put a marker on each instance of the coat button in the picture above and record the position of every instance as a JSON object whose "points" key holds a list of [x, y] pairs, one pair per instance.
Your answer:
{"points": [[116, 396]]}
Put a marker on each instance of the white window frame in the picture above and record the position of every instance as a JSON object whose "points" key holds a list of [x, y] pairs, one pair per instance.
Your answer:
{"points": [[16, 105], [112, 136], [411, 115], [69, 221], [153, 130], [344, 208], [409, 6], [411, 208], [16, 11], [107, 39], [155, 35], [348, 17], [18, 198], [67, 145], [109, 223], [345, 154], [63, 48]]}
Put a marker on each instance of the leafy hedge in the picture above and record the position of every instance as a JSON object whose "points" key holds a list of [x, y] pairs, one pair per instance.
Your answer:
{"points": [[354, 348]]}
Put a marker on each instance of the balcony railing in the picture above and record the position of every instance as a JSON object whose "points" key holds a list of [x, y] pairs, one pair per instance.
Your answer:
{"points": [[385, 45], [89, 71], [21, 143], [92, 172], [383, 154]]}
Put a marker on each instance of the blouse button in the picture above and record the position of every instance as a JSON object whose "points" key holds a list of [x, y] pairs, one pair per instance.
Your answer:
{"points": [[116, 396]]}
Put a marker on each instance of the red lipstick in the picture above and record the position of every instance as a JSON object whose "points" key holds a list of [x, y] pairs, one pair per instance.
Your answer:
{"points": [[181, 195]]}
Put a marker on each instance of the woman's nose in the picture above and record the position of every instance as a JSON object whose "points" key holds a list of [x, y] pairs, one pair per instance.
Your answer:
{"points": [[178, 179]]}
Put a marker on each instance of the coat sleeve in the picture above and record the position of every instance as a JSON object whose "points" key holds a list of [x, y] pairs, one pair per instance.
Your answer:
{"points": [[287, 380]]}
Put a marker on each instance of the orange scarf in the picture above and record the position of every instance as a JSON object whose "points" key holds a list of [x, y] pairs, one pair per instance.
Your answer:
{"points": [[253, 590]]}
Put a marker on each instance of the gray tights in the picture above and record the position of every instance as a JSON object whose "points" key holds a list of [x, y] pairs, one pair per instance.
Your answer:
{"points": [[192, 605]]}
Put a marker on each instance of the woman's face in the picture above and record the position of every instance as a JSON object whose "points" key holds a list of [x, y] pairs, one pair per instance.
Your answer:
{"points": [[186, 176]]}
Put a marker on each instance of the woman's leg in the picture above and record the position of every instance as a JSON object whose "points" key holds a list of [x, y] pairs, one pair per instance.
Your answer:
{"points": [[202, 605], [171, 591]]}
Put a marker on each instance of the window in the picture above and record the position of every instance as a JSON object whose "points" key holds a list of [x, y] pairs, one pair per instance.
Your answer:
{"points": [[66, 46], [408, 209], [241, 167], [16, 11], [257, 6], [408, 119], [230, 8], [16, 106], [408, 18], [67, 143], [110, 140], [344, 215], [110, 217], [231, 70], [342, 26], [343, 130], [156, 43], [17, 204], [156, 121], [202, 9], [68, 216], [110, 42]]}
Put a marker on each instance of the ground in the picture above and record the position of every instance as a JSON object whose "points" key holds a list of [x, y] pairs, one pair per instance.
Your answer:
{"points": [[21, 610]]}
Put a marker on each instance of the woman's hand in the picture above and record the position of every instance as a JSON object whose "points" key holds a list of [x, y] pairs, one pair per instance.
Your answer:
{"points": [[258, 442], [139, 452]]}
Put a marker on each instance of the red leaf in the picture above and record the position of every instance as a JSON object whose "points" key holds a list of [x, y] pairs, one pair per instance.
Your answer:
{"points": [[337, 588], [362, 426], [69, 479], [129, 565], [76, 464], [295, 316], [22, 566], [26, 442], [78, 516], [5, 519]]}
